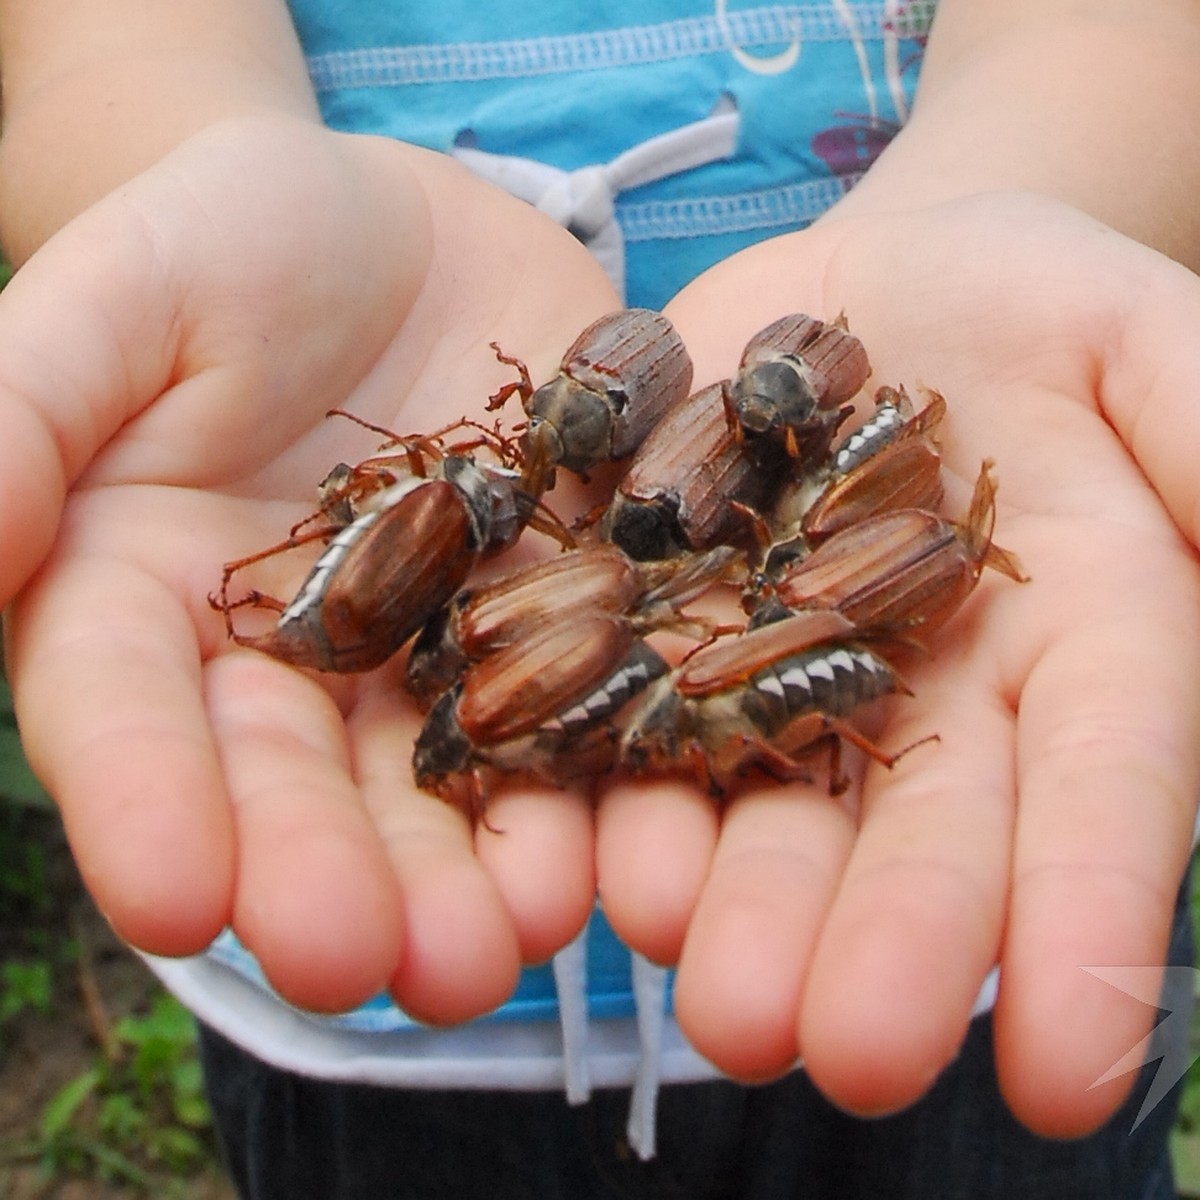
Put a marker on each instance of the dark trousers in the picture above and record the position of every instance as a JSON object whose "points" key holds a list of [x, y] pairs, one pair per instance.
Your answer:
{"points": [[286, 1137]]}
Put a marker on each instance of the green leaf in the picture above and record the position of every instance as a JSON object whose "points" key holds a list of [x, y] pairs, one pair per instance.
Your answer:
{"points": [[26, 986], [177, 1147], [65, 1103]]}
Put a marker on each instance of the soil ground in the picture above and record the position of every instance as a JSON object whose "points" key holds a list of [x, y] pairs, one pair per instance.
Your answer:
{"points": [[95, 981]]}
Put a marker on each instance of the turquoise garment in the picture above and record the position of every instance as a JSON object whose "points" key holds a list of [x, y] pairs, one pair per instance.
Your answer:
{"points": [[610, 986], [819, 88]]}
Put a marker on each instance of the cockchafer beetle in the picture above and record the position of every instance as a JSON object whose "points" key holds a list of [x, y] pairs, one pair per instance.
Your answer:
{"points": [[795, 381], [403, 533], [594, 578], [613, 385], [692, 481], [892, 461], [904, 572], [765, 698], [544, 706]]}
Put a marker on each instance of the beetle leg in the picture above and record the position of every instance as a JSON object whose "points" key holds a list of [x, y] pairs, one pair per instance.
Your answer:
{"points": [[414, 446], [758, 523], [715, 635], [522, 387], [543, 520], [252, 599], [843, 729], [588, 519], [702, 769], [662, 615], [774, 762], [340, 503], [257, 599], [477, 801], [731, 415], [839, 781]]}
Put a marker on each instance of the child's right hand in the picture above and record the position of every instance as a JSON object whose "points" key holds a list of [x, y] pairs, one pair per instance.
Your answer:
{"points": [[166, 363]]}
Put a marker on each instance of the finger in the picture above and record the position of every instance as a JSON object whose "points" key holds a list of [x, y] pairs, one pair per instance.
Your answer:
{"points": [[1148, 384], [98, 290], [916, 922], [461, 954], [317, 903], [747, 951], [1108, 726], [64, 380], [538, 845], [106, 676], [654, 845]]}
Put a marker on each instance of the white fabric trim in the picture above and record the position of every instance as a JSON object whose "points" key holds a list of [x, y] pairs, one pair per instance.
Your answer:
{"points": [[524, 1055]]}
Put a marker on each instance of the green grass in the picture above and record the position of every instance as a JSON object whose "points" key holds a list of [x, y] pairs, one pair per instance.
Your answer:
{"points": [[130, 1112]]}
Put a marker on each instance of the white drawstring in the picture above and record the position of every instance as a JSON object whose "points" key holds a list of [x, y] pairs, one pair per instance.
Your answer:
{"points": [[583, 200], [650, 997], [570, 982]]}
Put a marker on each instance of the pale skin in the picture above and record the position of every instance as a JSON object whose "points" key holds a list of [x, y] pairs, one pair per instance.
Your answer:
{"points": [[214, 270]]}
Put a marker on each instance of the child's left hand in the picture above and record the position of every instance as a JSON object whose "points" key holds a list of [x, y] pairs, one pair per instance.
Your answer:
{"points": [[1049, 827]]}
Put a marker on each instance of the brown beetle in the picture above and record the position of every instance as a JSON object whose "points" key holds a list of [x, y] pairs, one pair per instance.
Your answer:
{"points": [[690, 484], [614, 383], [409, 549], [765, 698], [595, 578], [543, 706], [795, 381], [906, 571], [892, 461]]}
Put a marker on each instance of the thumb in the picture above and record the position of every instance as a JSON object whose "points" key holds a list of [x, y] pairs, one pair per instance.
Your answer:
{"points": [[1148, 384], [85, 339]]}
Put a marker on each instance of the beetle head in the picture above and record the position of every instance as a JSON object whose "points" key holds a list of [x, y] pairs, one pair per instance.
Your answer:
{"points": [[580, 418], [774, 395], [645, 529], [442, 748]]}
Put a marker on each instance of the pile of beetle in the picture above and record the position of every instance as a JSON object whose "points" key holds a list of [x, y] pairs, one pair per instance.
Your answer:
{"points": [[837, 544]]}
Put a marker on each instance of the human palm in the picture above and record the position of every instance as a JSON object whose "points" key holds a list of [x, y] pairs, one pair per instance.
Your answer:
{"points": [[169, 358], [1048, 828]]}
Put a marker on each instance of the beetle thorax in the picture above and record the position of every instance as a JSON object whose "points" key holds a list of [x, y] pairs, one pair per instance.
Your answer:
{"points": [[476, 487], [582, 421]]}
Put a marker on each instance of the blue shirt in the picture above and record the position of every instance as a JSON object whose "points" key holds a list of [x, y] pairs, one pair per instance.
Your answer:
{"points": [[818, 89]]}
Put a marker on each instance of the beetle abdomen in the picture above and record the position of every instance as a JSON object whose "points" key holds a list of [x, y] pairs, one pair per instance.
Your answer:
{"points": [[831, 680]]}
